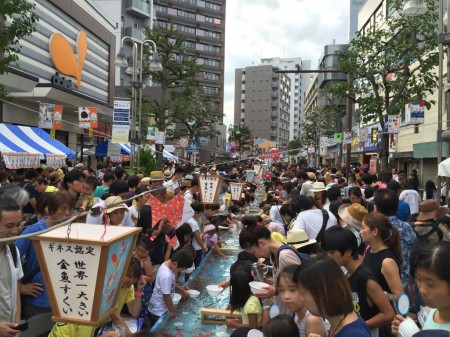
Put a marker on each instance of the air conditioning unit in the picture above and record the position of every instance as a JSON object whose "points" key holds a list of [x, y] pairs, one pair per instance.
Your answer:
{"points": [[414, 7]]}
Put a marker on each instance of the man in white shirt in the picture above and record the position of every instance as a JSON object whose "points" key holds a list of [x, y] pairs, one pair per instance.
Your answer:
{"points": [[410, 196], [310, 218], [189, 194], [173, 183], [307, 185], [275, 215]]}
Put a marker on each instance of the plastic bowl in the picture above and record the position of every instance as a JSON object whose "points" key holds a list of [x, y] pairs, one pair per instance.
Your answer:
{"points": [[193, 293], [190, 270], [225, 228], [214, 290], [176, 298], [258, 287]]}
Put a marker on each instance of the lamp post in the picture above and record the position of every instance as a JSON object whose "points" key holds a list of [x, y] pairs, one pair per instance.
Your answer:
{"points": [[137, 85]]}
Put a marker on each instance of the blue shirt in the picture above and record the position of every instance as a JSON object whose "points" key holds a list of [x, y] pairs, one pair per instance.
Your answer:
{"points": [[407, 240], [357, 328], [28, 254], [403, 211]]}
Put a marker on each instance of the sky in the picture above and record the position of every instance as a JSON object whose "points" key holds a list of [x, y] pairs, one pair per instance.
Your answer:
{"points": [[258, 29]]}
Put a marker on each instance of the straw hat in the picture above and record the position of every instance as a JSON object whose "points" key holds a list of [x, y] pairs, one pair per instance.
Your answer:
{"points": [[298, 238], [145, 181], [114, 200], [353, 214], [311, 176], [430, 210], [156, 176], [167, 174], [318, 187]]}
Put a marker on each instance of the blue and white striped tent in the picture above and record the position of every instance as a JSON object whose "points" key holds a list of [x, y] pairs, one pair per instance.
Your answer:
{"points": [[25, 146]]}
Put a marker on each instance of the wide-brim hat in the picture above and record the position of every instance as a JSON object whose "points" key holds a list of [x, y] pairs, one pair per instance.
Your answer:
{"points": [[353, 214], [145, 181], [79, 166], [156, 176], [311, 176], [298, 238], [429, 210], [318, 187], [117, 202], [167, 174]]}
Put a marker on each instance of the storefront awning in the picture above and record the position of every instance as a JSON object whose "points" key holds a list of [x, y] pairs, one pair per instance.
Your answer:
{"points": [[25, 146]]}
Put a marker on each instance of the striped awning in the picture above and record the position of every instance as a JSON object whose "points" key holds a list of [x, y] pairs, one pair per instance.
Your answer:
{"points": [[25, 146]]}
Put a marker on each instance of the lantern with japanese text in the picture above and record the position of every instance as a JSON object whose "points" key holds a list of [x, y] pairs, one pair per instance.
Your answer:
{"points": [[83, 268], [209, 188]]}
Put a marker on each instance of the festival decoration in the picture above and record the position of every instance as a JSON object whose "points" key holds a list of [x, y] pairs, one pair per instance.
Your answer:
{"points": [[171, 210]]}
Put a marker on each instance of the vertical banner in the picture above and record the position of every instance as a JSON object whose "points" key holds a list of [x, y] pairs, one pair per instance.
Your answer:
{"points": [[374, 135], [46, 112], [209, 188], [249, 175], [52, 134], [94, 118], [160, 137], [363, 136], [151, 133], [57, 117], [121, 121], [84, 117], [236, 191], [347, 138], [392, 124]]}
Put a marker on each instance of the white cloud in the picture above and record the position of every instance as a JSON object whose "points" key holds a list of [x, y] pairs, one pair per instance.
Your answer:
{"points": [[279, 28]]}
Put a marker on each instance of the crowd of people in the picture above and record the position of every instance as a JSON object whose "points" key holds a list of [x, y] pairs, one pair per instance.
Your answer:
{"points": [[341, 248]]}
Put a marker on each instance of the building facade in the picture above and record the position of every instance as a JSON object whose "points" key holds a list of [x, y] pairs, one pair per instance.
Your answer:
{"points": [[262, 101], [40, 75], [355, 6], [299, 85]]}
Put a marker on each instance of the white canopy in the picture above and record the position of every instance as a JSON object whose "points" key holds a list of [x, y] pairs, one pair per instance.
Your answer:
{"points": [[444, 168]]}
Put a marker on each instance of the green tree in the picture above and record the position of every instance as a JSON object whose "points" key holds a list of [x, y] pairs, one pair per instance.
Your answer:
{"points": [[241, 134], [294, 146], [17, 20], [390, 65]]}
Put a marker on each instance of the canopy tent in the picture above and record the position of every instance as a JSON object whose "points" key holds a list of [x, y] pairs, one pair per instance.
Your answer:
{"points": [[444, 168], [25, 146], [107, 148]]}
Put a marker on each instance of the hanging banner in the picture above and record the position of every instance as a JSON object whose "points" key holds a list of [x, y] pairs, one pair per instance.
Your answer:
{"points": [[52, 134], [415, 113], [84, 117], [151, 133], [392, 124], [57, 117], [91, 132], [257, 168], [355, 145], [337, 138], [121, 121], [160, 137], [374, 135], [94, 118], [46, 112], [363, 136], [209, 188], [236, 191], [249, 175], [347, 138], [184, 141]]}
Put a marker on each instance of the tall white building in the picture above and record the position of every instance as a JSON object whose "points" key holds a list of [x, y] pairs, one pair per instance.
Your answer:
{"points": [[299, 85], [355, 6]]}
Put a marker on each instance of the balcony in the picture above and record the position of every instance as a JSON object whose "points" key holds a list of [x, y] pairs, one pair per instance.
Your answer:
{"points": [[274, 124], [135, 33], [138, 8], [274, 114], [274, 104]]}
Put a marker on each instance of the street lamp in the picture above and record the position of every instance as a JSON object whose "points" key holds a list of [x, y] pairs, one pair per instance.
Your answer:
{"points": [[134, 70]]}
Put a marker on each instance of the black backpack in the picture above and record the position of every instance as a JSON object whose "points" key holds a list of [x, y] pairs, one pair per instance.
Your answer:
{"points": [[424, 240]]}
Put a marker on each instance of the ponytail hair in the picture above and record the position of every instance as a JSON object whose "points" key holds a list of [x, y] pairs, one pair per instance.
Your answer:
{"points": [[388, 234]]}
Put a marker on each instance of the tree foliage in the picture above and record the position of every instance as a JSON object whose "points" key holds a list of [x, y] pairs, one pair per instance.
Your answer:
{"points": [[294, 146], [390, 65], [181, 99], [241, 134], [17, 20]]}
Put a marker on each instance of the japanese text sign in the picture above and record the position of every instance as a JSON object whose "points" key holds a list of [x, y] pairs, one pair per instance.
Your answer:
{"points": [[83, 275], [209, 188], [236, 191]]}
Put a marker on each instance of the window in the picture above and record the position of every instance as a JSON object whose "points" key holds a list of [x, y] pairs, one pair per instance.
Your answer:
{"points": [[212, 6], [192, 2], [135, 25], [210, 33], [162, 24], [185, 29], [214, 21], [186, 14], [212, 63], [211, 76], [212, 48], [188, 44], [161, 9], [210, 90]]}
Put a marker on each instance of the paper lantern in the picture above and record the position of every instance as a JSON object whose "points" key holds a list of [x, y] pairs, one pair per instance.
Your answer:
{"points": [[83, 273]]}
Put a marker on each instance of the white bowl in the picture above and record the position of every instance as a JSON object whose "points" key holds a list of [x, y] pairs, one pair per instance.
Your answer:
{"points": [[190, 270], [176, 298], [193, 293], [258, 287], [407, 328], [214, 290], [254, 333], [225, 228]]}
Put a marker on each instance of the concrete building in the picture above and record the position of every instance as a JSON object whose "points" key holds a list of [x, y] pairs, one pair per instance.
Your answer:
{"points": [[299, 85], [355, 6], [34, 80], [315, 101], [203, 25], [262, 100]]}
